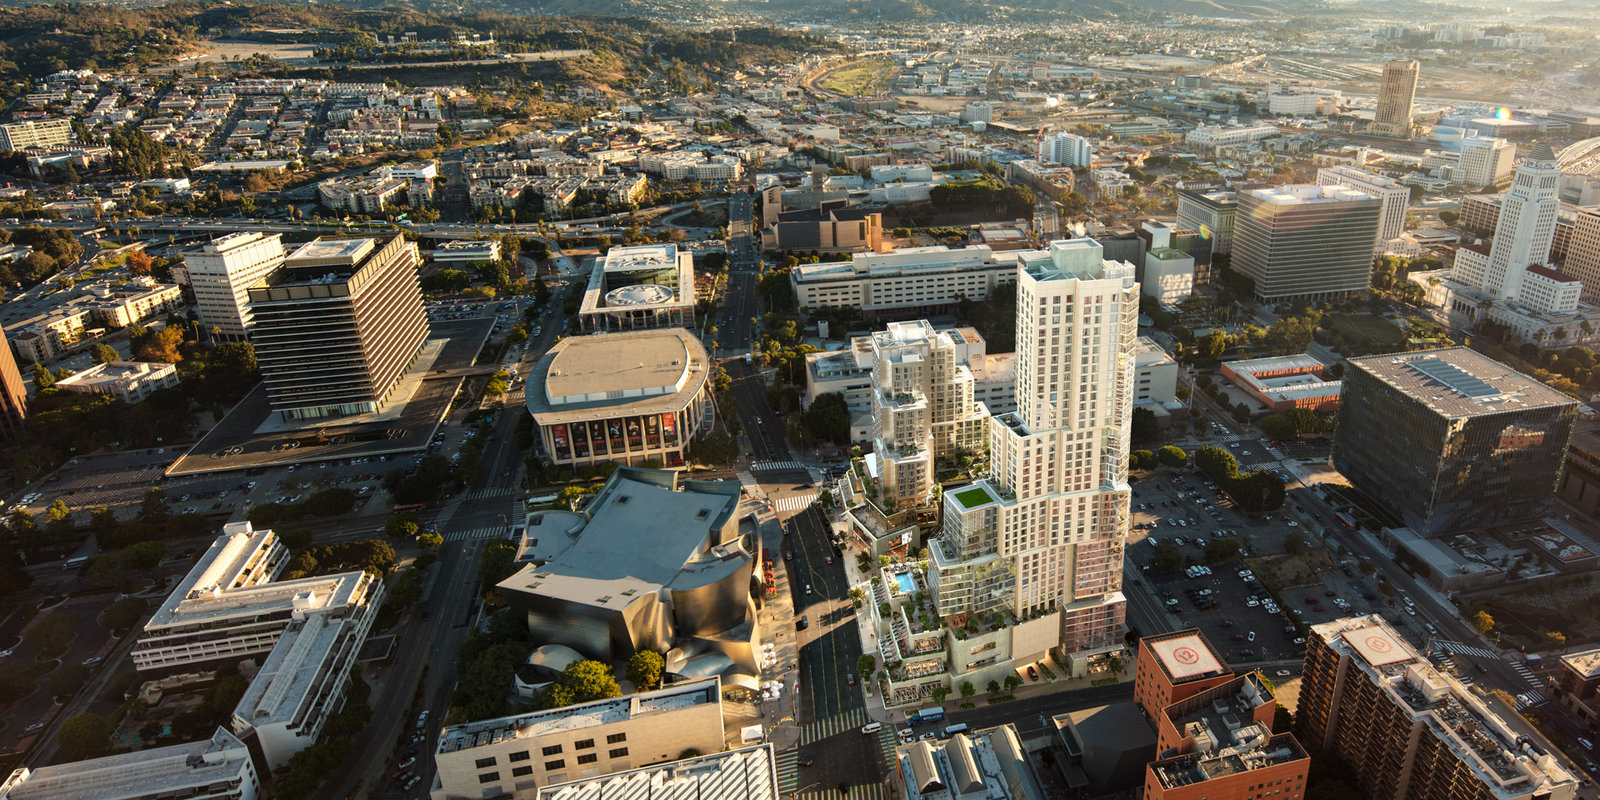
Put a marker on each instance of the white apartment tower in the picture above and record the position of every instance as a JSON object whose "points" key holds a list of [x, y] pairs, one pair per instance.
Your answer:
{"points": [[1042, 537], [1396, 198], [1527, 224], [1065, 149], [922, 408], [221, 273]]}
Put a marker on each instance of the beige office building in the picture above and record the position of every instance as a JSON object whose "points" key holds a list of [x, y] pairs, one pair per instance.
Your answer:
{"points": [[221, 273], [338, 327], [516, 756], [1395, 94]]}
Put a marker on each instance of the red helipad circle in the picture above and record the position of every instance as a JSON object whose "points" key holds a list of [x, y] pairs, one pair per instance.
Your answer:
{"points": [[1185, 655], [1379, 644]]}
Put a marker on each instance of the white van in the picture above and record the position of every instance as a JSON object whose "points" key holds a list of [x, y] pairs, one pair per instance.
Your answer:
{"points": [[871, 727]]}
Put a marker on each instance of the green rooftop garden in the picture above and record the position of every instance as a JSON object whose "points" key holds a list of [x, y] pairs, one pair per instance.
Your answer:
{"points": [[972, 498]]}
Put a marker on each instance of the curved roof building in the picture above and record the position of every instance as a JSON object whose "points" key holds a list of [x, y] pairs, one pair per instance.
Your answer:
{"points": [[631, 397]]}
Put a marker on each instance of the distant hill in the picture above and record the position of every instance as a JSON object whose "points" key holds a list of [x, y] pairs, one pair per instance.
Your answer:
{"points": [[38, 40]]}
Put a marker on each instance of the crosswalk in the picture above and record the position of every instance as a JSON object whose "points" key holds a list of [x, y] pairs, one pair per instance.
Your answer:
{"points": [[788, 505], [445, 515], [1522, 669], [1526, 699], [774, 465], [788, 772], [865, 791], [486, 532], [1460, 649], [490, 493], [834, 725]]}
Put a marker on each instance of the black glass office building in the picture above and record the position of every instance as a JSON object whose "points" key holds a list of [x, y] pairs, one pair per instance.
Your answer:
{"points": [[1451, 439]]}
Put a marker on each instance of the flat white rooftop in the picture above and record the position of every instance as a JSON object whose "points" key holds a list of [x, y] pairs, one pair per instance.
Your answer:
{"points": [[582, 715], [159, 772], [746, 774]]}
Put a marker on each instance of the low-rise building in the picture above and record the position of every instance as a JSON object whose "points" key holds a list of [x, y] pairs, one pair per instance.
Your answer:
{"points": [[1167, 275], [218, 768], [990, 764], [1285, 382], [631, 398], [465, 252], [829, 228], [1155, 374], [1577, 685], [128, 381], [639, 288], [230, 605], [749, 773], [914, 281], [307, 674], [516, 756]]}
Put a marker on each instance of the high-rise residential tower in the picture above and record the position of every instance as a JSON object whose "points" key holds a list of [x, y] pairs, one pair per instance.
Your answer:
{"points": [[1395, 94], [1306, 242], [1403, 729], [1394, 195], [221, 273], [338, 327], [922, 408], [1041, 539], [1066, 149]]}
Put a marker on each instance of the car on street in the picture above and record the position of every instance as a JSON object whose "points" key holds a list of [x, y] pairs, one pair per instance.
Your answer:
{"points": [[35, 727], [803, 623], [92, 660]]}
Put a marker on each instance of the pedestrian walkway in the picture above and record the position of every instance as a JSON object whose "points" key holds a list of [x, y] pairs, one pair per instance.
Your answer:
{"points": [[834, 725], [865, 791], [1459, 649], [748, 481], [1522, 669], [445, 515], [487, 532], [490, 494], [888, 740], [796, 503], [772, 465], [1527, 699], [788, 771]]}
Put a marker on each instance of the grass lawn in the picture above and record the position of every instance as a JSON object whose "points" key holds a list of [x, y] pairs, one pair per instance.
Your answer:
{"points": [[971, 498], [1376, 330], [859, 79]]}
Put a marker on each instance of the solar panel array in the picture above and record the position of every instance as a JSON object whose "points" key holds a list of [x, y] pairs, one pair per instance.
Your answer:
{"points": [[1454, 378]]}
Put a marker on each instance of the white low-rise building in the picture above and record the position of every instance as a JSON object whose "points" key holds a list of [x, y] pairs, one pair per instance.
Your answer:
{"points": [[749, 773], [514, 756], [1206, 136], [915, 281], [230, 605], [219, 768], [466, 251], [304, 680], [128, 381]]}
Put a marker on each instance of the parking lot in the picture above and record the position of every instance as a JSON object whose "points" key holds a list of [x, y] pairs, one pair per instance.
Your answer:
{"points": [[1228, 599]]}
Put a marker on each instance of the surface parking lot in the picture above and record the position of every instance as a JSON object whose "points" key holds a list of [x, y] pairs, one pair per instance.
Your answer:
{"points": [[1236, 612]]}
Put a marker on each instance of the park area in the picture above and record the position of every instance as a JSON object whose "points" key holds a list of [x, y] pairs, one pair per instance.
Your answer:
{"points": [[1375, 333], [859, 78]]}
